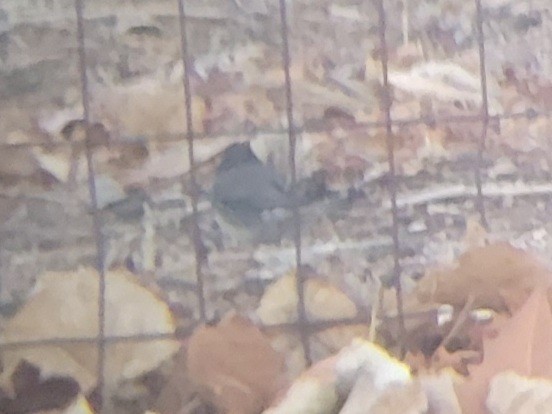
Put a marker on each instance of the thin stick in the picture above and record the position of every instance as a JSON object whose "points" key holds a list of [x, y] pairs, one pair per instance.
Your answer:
{"points": [[460, 321]]}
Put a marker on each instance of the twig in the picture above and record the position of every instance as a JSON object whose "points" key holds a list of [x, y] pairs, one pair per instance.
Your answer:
{"points": [[460, 321], [286, 255], [405, 23], [378, 296], [461, 190], [191, 406]]}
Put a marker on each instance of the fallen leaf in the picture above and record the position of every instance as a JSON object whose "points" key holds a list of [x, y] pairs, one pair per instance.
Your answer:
{"points": [[151, 107], [314, 392], [251, 106], [398, 398], [443, 81], [65, 305], [173, 160], [178, 389], [499, 276], [79, 406], [456, 360], [439, 389], [17, 161], [373, 359], [522, 345], [318, 390], [476, 235], [57, 163], [33, 393], [510, 393], [179, 394], [323, 302], [235, 365]]}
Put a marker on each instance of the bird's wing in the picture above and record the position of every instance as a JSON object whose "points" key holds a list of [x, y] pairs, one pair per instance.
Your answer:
{"points": [[253, 185]]}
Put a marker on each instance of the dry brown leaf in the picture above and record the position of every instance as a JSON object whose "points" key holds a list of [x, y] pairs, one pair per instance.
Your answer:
{"points": [[35, 393], [499, 275], [522, 345], [417, 361], [236, 365], [457, 360], [510, 393], [423, 322], [178, 390], [69, 162], [442, 360], [65, 305]]}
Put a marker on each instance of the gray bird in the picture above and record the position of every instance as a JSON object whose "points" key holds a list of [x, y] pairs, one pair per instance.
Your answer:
{"points": [[244, 188]]}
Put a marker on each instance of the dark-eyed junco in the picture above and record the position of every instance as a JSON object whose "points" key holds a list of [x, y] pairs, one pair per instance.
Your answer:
{"points": [[252, 198], [245, 187]]}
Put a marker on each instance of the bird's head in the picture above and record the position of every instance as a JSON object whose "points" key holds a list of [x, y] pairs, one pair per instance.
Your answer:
{"points": [[237, 154]]}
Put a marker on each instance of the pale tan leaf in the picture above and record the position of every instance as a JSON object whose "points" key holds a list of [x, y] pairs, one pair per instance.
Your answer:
{"points": [[322, 301], [173, 160], [308, 396], [372, 359], [510, 393], [397, 398], [313, 392], [317, 389], [65, 305], [439, 390], [147, 107]]}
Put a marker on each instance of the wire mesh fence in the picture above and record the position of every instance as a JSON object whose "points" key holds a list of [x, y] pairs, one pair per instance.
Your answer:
{"points": [[482, 117]]}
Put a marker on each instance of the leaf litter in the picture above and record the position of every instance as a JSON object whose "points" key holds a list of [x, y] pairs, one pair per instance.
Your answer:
{"points": [[467, 297]]}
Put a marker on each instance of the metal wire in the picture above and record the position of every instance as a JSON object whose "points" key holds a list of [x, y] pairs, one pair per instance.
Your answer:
{"points": [[480, 202], [319, 127], [97, 220], [392, 179], [199, 249], [300, 278], [312, 326]]}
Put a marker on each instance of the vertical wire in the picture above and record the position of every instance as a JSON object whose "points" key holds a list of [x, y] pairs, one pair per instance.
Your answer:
{"points": [[194, 193], [301, 310], [480, 201], [97, 220], [392, 182]]}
